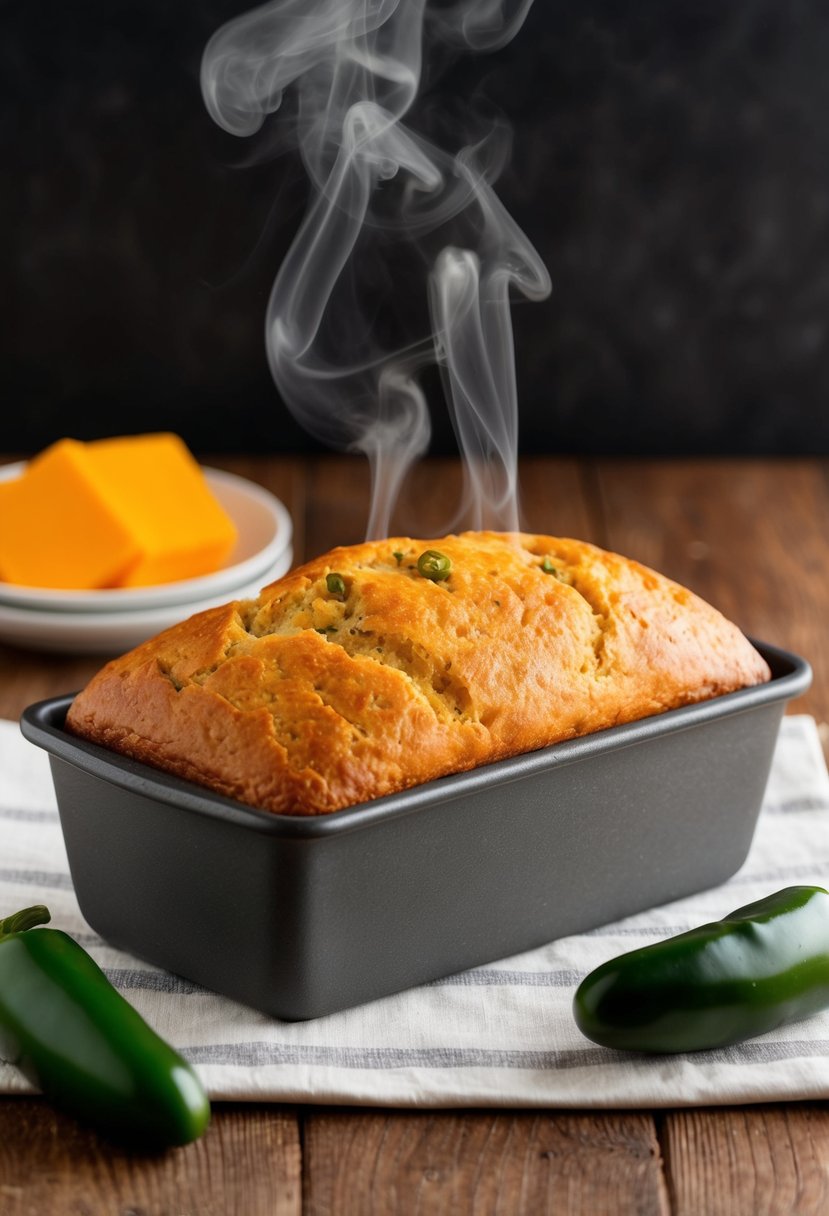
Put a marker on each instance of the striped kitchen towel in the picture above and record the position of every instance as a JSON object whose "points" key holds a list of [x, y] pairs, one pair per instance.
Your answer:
{"points": [[500, 1035]]}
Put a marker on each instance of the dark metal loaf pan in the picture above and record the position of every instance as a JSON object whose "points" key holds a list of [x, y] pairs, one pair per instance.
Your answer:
{"points": [[303, 916]]}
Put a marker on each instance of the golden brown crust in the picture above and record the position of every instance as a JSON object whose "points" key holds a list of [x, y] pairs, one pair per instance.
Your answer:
{"points": [[305, 700]]}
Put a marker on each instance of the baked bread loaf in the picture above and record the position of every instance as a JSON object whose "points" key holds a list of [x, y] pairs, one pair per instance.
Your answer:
{"points": [[375, 668]]}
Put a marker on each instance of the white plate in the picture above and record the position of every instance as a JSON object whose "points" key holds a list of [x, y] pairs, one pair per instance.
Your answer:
{"points": [[111, 633], [265, 531]]}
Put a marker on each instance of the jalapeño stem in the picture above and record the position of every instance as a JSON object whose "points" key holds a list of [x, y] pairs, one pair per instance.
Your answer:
{"points": [[27, 918]]}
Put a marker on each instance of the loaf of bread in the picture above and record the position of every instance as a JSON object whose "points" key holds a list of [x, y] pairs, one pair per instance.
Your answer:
{"points": [[383, 665]]}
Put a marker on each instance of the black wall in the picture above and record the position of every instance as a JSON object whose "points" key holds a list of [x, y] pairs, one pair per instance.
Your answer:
{"points": [[670, 162]]}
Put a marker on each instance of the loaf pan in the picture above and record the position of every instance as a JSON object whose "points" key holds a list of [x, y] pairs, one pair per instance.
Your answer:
{"points": [[299, 917]]}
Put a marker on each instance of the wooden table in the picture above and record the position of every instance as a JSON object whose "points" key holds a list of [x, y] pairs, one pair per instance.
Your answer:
{"points": [[748, 535]]}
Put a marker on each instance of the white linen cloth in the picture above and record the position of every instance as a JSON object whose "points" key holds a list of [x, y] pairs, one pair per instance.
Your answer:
{"points": [[500, 1035]]}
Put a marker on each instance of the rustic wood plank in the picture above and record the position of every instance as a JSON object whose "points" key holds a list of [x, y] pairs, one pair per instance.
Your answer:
{"points": [[758, 1161], [552, 499], [27, 676], [247, 1164], [337, 503], [748, 535], [482, 1163], [284, 476], [555, 499]]}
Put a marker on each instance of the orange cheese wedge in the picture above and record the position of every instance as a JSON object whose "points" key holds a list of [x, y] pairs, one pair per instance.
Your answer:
{"points": [[124, 512], [57, 528], [180, 528]]}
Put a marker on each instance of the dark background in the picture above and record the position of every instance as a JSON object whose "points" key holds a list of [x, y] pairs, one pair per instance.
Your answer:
{"points": [[670, 162]]}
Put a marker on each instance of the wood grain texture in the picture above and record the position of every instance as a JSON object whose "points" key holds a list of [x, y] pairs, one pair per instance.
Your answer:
{"points": [[431, 502], [747, 535], [481, 1164], [26, 676], [556, 500], [758, 1161], [247, 1164], [283, 476]]}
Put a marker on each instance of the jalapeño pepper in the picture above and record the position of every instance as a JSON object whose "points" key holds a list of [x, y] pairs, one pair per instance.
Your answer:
{"points": [[85, 1047], [760, 967]]}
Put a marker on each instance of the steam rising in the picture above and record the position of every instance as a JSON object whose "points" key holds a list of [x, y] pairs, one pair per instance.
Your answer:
{"points": [[353, 68]]}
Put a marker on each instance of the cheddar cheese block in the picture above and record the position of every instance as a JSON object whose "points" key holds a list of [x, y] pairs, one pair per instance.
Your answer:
{"points": [[383, 665], [57, 528], [180, 529], [124, 512]]}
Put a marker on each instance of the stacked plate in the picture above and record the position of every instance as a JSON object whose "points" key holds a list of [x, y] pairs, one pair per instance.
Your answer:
{"points": [[109, 622]]}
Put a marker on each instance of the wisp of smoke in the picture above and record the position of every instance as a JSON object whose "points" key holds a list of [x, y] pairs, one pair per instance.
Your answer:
{"points": [[355, 69]]}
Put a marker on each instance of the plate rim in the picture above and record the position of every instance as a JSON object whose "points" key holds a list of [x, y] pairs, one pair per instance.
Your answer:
{"points": [[110, 633]]}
